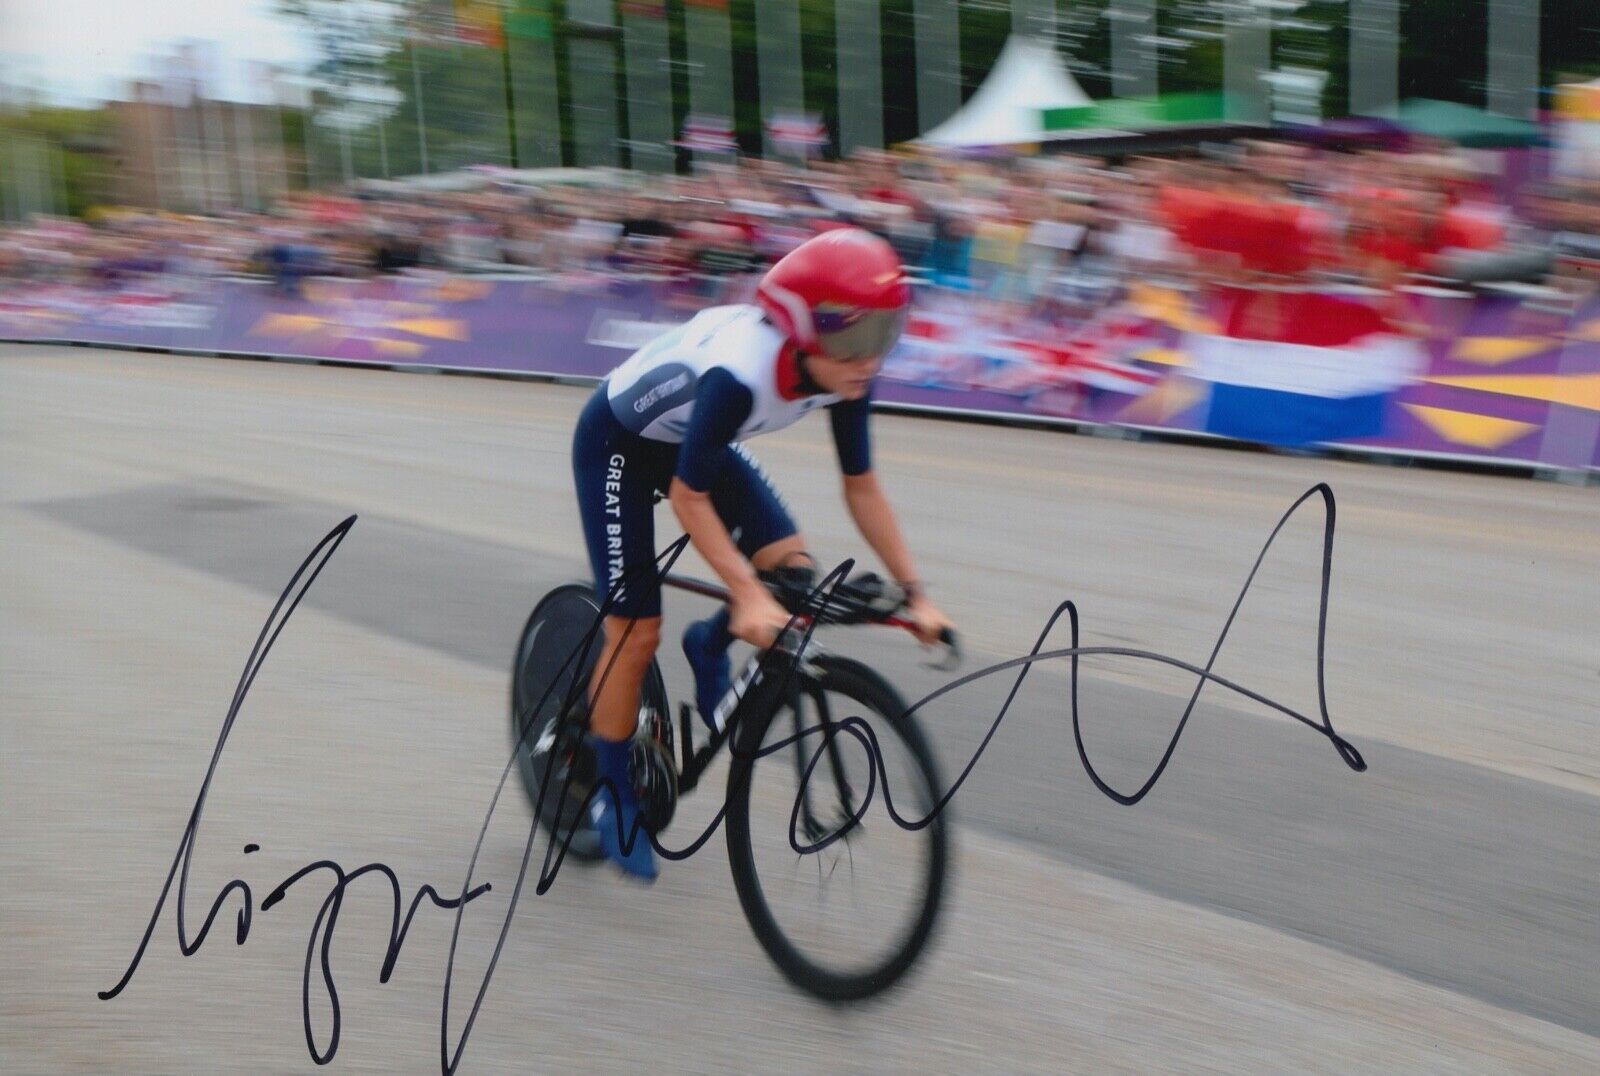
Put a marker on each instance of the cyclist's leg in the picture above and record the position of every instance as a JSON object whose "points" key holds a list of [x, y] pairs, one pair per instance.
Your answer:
{"points": [[760, 524], [756, 514], [630, 645], [787, 552], [614, 474]]}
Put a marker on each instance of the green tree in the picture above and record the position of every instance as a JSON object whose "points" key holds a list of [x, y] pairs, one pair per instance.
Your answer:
{"points": [[71, 151]]}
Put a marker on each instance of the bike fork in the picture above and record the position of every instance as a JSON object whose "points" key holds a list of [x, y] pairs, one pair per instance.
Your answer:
{"points": [[752, 681]]}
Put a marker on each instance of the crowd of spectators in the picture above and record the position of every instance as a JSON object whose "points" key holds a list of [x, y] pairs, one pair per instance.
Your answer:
{"points": [[1052, 232]]}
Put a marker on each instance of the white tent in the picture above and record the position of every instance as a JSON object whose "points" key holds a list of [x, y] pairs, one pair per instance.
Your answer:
{"points": [[1027, 78]]}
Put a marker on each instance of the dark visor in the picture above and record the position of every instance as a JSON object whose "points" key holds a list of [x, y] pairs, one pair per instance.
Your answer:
{"points": [[866, 334]]}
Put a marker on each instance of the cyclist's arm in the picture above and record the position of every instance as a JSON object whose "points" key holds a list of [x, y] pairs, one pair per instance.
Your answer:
{"points": [[876, 522], [721, 406], [864, 498]]}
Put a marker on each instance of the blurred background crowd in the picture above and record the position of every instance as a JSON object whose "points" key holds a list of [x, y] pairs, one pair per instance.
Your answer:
{"points": [[1052, 232], [1297, 141]]}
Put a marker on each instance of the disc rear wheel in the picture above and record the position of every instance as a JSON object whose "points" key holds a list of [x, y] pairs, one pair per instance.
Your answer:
{"points": [[554, 662]]}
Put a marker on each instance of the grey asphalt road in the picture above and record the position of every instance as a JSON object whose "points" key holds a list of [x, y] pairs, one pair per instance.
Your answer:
{"points": [[1266, 908]]}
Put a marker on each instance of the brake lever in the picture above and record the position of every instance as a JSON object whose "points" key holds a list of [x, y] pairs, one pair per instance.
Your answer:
{"points": [[952, 652]]}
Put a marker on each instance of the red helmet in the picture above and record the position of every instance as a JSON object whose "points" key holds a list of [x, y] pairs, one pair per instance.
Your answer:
{"points": [[843, 293]]}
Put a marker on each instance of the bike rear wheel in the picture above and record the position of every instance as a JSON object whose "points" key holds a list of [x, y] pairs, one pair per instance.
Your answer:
{"points": [[549, 712], [847, 920]]}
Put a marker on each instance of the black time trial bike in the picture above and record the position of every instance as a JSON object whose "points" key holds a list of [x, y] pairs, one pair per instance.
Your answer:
{"points": [[836, 835]]}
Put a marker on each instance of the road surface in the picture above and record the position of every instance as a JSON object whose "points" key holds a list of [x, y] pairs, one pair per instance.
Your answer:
{"points": [[1265, 909]]}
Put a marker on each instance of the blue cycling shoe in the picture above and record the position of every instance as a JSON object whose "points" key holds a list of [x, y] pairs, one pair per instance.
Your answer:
{"points": [[705, 645], [614, 817]]}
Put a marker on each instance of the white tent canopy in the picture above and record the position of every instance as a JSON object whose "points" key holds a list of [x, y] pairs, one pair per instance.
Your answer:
{"points": [[1004, 111]]}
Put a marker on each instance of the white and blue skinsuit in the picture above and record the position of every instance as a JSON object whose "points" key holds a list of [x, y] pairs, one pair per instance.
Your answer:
{"points": [[679, 407]]}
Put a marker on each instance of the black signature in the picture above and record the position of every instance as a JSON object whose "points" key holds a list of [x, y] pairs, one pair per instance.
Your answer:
{"points": [[328, 914], [555, 851]]}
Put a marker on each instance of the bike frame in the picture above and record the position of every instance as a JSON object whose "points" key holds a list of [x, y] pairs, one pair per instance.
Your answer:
{"points": [[694, 763]]}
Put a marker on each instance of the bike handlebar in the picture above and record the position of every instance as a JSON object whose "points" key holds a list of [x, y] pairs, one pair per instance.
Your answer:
{"points": [[862, 599], [865, 598]]}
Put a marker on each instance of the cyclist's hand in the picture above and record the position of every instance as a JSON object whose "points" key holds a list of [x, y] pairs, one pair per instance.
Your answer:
{"points": [[757, 618], [930, 624]]}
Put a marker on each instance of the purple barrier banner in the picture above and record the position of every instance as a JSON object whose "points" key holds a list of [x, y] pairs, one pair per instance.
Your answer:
{"points": [[1491, 378], [1494, 378], [511, 326]]}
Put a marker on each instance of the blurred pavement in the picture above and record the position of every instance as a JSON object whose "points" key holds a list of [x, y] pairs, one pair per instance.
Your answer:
{"points": [[1264, 910]]}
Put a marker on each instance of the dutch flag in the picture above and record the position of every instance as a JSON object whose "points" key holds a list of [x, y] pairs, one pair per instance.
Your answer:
{"points": [[1291, 367]]}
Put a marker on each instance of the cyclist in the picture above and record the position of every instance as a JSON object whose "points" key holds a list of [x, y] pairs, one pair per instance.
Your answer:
{"points": [[671, 419]]}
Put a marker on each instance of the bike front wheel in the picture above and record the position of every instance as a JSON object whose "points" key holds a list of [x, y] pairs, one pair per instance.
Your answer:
{"points": [[838, 855]]}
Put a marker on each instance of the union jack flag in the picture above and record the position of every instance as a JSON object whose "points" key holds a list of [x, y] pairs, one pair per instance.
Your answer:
{"points": [[707, 134], [801, 130]]}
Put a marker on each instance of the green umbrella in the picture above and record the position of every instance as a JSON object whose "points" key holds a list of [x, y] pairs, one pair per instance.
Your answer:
{"points": [[1463, 124]]}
